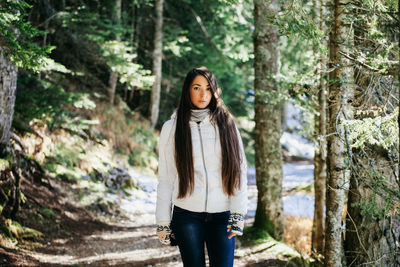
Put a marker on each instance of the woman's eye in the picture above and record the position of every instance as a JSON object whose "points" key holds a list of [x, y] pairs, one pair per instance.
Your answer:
{"points": [[209, 88]]}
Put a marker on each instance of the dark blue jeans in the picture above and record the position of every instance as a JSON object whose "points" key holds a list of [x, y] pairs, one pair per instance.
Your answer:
{"points": [[193, 229]]}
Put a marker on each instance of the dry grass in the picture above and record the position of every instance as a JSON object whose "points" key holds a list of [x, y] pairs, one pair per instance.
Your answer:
{"points": [[298, 233], [117, 126]]}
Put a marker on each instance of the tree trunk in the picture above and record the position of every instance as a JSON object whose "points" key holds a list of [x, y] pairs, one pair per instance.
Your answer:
{"points": [[8, 86], [112, 82], [157, 65], [267, 132], [370, 240], [318, 230], [337, 112]]}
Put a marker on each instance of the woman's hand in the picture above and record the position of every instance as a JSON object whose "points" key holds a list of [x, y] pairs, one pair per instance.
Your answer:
{"points": [[232, 234], [164, 234], [236, 224]]}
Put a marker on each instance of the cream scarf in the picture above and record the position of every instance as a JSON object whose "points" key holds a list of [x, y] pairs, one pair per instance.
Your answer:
{"points": [[199, 114]]}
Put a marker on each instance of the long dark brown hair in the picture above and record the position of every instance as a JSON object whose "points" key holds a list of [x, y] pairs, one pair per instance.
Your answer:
{"points": [[220, 115]]}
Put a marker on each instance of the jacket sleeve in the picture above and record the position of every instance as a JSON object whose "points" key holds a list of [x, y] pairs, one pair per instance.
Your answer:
{"points": [[166, 174], [239, 200]]}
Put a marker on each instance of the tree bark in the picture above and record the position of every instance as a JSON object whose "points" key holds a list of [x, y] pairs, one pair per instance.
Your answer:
{"points": [[157, 65], [370, 240], [318, 230], [267, 132], [112, 82], [338, 110], [8, 87]]}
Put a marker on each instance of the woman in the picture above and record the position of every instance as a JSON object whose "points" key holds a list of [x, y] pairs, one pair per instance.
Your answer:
{"points": [[202, 173]]}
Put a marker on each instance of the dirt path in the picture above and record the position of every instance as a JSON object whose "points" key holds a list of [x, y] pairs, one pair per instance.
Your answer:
{"points": [[133, 243], [123, 243], [75, 237]]}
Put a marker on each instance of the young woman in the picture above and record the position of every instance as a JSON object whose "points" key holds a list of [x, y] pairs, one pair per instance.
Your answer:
{"points": [[202, 174]]}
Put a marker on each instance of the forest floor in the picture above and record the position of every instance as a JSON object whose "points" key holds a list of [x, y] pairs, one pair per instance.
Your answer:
{"points": [[79, 236]]}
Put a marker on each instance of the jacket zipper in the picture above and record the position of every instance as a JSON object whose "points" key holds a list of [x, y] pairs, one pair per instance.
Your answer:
{"points": [[204, 163]]}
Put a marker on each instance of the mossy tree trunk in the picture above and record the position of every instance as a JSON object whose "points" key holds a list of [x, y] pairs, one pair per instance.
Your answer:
{"points": [[267, 132], [338, 109], [318, 230], [372, 236], [9, 183], [8, 87], [157, 64]]}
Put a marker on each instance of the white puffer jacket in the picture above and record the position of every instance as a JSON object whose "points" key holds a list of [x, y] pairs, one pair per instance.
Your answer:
{"points": [[208, 194]]}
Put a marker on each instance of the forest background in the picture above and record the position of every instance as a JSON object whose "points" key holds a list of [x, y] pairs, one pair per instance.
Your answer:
{"points": [[110, 73]]}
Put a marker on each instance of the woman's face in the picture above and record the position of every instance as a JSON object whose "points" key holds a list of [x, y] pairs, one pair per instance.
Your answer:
{"points": [[200, 92]]}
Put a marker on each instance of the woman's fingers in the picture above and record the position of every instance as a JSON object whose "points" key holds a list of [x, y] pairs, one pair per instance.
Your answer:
{"points": [[228, 229], [231, 235]]}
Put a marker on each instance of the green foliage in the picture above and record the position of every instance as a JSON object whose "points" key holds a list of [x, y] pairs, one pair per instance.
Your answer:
{"points": [[376, 207], [99, 31], [48, 213], [299, 64], [13, 230], [47, 65], [119, 57], [380, 130], [307, 188], [141, 158], [5, 231], [215, 34], [17, 36], [4, 164], [143, 153], [254, 236], [45, 100], [66, 155], [296, 20], [261, 241]]}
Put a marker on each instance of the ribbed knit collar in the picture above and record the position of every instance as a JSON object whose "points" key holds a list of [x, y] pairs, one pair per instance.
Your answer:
{"points": [[199, 114]]}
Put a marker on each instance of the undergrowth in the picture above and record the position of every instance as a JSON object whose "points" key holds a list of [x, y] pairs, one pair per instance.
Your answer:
{"points": [[78, 138], [261, 240]]}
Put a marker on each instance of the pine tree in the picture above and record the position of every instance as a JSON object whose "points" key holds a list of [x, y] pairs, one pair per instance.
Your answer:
{"points": [[339, 93], [318, 230], [157, 65], [267, 132]]}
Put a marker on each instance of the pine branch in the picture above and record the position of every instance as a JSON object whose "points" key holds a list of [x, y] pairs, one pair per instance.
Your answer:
{"points": [[392, 71]]}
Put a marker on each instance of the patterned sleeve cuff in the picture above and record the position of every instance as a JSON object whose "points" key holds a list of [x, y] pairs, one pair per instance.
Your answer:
{"points": [[164, 234], [236, 223], [163, 223]]}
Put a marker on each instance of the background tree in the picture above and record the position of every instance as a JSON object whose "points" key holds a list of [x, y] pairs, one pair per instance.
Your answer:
{"points": [[318, 230], [17, 49], [372, 225], [8, 85], [267, 132], [339, 94], [157, 64], [373, 57], [112, 82]]}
